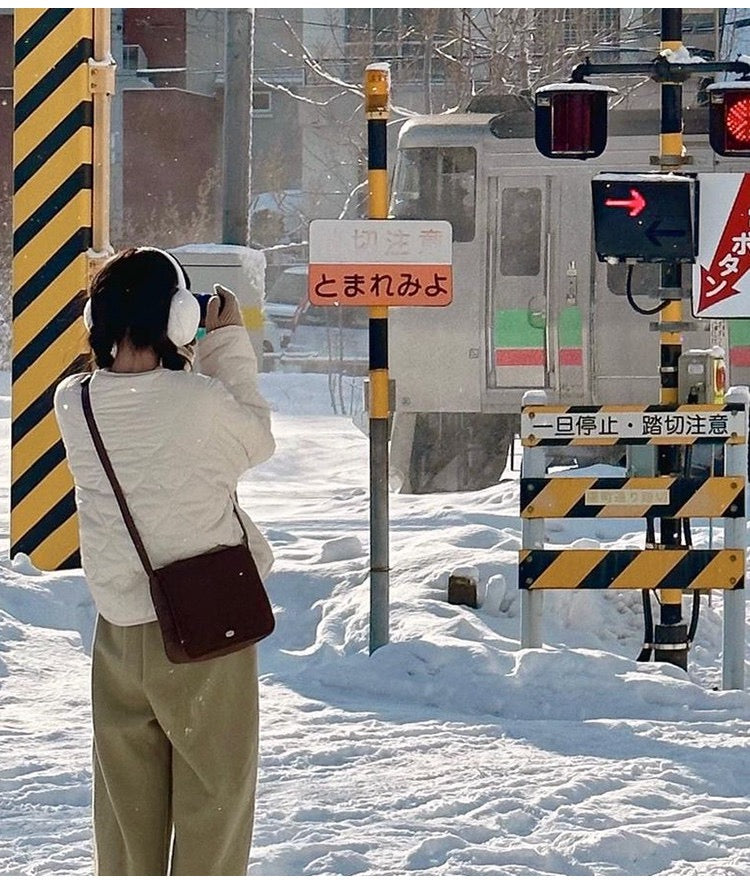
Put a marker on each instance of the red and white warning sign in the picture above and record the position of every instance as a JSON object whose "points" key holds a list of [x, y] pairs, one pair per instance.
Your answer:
{"points": [[373, 263], [721, 274]]}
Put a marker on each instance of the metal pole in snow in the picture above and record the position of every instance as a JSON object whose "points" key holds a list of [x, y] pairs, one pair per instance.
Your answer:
{"points": [[532, 602], [735, 537], [377, 97]]}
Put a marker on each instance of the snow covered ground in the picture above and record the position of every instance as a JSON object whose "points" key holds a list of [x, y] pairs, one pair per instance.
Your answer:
{"points": [[450, 751]]}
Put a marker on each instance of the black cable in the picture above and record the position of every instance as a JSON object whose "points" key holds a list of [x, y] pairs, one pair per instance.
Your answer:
{"points": [[648, 628], [629, 294]]}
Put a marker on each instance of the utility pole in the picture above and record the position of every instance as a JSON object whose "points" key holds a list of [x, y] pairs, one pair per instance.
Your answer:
{"points": [[237, 134], [116, 143]]}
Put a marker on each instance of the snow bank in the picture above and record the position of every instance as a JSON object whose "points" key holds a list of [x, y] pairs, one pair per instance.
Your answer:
{"points": [[449, 750]]}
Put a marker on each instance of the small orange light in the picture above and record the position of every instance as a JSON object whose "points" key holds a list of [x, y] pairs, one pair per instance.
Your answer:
{"points": [[377, 88], [720, 381]]}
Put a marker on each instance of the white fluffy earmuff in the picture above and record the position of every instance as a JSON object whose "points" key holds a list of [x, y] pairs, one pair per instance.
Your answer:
{"points": [[184, 311], [87, 318]]}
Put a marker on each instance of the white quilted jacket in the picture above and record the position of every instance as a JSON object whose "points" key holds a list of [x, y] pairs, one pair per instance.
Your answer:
{"points": [[178, 441]]}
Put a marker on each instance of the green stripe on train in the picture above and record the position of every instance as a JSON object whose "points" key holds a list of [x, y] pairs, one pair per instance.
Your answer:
{"points": [[739, 332], [524, 328]]}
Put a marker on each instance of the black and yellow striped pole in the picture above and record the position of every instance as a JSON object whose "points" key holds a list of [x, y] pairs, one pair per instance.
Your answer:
{"points": [[55, 79], [377, 97], [671, 633]]}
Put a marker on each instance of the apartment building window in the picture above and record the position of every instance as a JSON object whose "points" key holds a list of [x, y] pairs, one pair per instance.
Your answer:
{"points": [[262, 106], [576, 27], [397, 36], [133, 58]]}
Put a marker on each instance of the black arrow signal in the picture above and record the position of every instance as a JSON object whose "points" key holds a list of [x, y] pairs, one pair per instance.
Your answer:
{"points": [[655, 235]]}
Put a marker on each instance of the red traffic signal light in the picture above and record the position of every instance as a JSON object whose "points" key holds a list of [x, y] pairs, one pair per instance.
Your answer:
{"points": [[570, 120], [729, 118]]}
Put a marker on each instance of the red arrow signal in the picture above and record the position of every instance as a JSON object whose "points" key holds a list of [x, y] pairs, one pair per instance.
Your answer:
{"points": [[636, 203]]}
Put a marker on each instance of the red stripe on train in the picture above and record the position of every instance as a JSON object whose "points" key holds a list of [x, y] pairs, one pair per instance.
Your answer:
{"points": [[513, 358], [739, 356]]}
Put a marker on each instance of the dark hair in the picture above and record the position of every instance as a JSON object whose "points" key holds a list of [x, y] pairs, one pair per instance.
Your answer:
{"points": [[130, 297]]}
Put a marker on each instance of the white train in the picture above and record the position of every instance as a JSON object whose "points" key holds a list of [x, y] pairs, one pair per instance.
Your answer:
{"points": [[532, 307]]}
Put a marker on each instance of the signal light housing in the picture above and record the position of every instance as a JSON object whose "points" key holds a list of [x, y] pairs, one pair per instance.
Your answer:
{"points": [[729, 117], [646, 216], [570, 120]]}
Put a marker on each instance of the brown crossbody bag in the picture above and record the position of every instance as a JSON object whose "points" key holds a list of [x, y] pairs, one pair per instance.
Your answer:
{"points": [[208, 605]]}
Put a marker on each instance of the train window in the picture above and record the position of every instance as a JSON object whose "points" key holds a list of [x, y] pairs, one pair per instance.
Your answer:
{"points": [[520, 231], [437, 184]]}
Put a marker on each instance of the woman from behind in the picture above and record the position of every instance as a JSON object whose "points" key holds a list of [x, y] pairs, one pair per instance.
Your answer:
{"points": [[175, 746]]}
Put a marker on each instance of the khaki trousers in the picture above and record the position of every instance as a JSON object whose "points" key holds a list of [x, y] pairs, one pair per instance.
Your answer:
{"points": [[175, 757]]}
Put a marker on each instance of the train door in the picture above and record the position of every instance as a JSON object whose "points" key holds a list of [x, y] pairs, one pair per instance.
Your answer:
{"points": [[518, 281], [570, 287]]}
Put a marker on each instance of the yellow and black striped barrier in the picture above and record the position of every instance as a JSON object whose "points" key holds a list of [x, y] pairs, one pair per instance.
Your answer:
{"points": [[676, 569], [664, 497], [52, 219]]}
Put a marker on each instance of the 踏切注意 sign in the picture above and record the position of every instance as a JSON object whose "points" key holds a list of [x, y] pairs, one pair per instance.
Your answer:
{"points": [[380, 263], [608, 424]]}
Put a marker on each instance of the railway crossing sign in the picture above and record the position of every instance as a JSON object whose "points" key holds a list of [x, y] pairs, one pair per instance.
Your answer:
{"points": [[644, 217], [620, 424], [380, 263], [721, 281]]}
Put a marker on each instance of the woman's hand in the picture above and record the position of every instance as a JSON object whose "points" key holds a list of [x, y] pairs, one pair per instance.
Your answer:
{"points": [[223, 309]]}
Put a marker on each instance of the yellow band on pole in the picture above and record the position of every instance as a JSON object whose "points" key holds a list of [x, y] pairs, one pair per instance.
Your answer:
{"points": [[379, 398], [671, 596], [671, 143], [377, 181]]}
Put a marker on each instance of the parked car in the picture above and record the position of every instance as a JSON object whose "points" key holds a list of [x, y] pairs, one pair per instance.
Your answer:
{"points": [[274, 338], [287, 304]]}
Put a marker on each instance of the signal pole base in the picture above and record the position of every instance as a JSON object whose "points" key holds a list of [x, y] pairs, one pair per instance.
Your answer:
{"points": [[671, 644]]}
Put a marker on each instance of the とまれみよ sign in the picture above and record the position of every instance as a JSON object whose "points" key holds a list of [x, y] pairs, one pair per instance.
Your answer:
{"points": [[380, 263]]}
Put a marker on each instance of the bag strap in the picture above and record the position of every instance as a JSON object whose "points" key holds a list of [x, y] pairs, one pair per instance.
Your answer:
{"points": [[88, 413], [107, 464]]}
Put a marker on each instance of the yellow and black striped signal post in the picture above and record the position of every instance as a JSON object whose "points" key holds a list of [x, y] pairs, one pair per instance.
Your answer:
{"points": [[55, 79], [377, 100], [671, 643]]}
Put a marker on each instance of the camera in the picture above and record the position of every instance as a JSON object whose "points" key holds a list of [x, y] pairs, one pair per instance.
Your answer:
{"points": [[203, 300]]}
